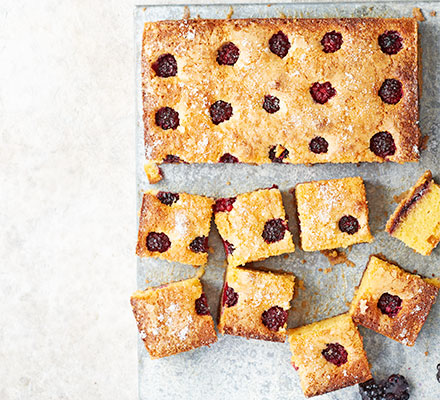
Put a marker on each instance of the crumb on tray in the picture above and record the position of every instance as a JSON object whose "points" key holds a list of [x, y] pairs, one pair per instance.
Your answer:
{"points": [[153, 172], [417, 14]]}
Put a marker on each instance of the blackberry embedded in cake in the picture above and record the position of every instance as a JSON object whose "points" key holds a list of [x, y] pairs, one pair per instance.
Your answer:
{"points": [[392, 302], [175, 227], [328, 355], [318, 90], [332, 213], [255, 303], [416, 221], [253, 226], [173, 318]]}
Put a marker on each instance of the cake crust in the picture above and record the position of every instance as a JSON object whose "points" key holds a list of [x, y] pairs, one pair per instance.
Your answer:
{"points": [[417, 295], [347, 121]]}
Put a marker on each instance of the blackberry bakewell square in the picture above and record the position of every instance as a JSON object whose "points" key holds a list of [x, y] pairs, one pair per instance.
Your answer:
{"points": [[328, 355], [255, 303], [253, 226], [173, 318], [392, 302], [174, 227], [332, 213], [281, 90], [416, 220]]}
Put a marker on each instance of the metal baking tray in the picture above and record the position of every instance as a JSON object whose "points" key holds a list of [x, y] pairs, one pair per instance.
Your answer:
{"points": [[236, 368]]}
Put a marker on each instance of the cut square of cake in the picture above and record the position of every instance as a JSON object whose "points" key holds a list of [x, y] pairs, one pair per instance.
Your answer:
{"points": [[392, 302], [286, 90], [255, 303], [416, 221], [253, 226], [174, 227], [332, 213], [173, 318], [328, 355]]}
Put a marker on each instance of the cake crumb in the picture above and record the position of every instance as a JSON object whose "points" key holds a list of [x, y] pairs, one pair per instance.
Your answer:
{"points": [[153, 172], [230, 13], [327, 270], [210, 250], [320, 269], [145, 8], [432, 13], [401, 196], [186, 13], [303, 261], [417, 14], [299, 285], [200, 271], [336, 257], [147, 281], [426, 353], [285, 256], [228, 182], [424, 142], [282, 15]]}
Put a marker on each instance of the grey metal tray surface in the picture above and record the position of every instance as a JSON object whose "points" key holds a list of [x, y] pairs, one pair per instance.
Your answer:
{"points": [[236, 368]]}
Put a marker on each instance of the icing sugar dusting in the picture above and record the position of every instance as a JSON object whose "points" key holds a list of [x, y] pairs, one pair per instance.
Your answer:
{"points": [[183, 333], [181, 223]]}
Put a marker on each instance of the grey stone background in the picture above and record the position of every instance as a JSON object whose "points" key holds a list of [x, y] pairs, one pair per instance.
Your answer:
{"points": [[68, 223]]}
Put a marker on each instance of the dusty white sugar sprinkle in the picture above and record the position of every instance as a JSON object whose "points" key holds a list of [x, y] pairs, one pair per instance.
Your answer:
{"points": [[363, 306], [172, 307], [183, 333], [143, 334]]}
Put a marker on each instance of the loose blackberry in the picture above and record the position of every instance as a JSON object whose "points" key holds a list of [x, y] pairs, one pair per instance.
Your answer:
{"points": [[370, 390], [396, 387]]}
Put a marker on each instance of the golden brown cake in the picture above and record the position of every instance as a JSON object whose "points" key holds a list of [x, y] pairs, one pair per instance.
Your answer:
{"points": [[253, 226], [281, 90], [332, 213], [255, 303], [416, 221], [328, 355], [173, 318], [175, 227], [392, 302]]}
